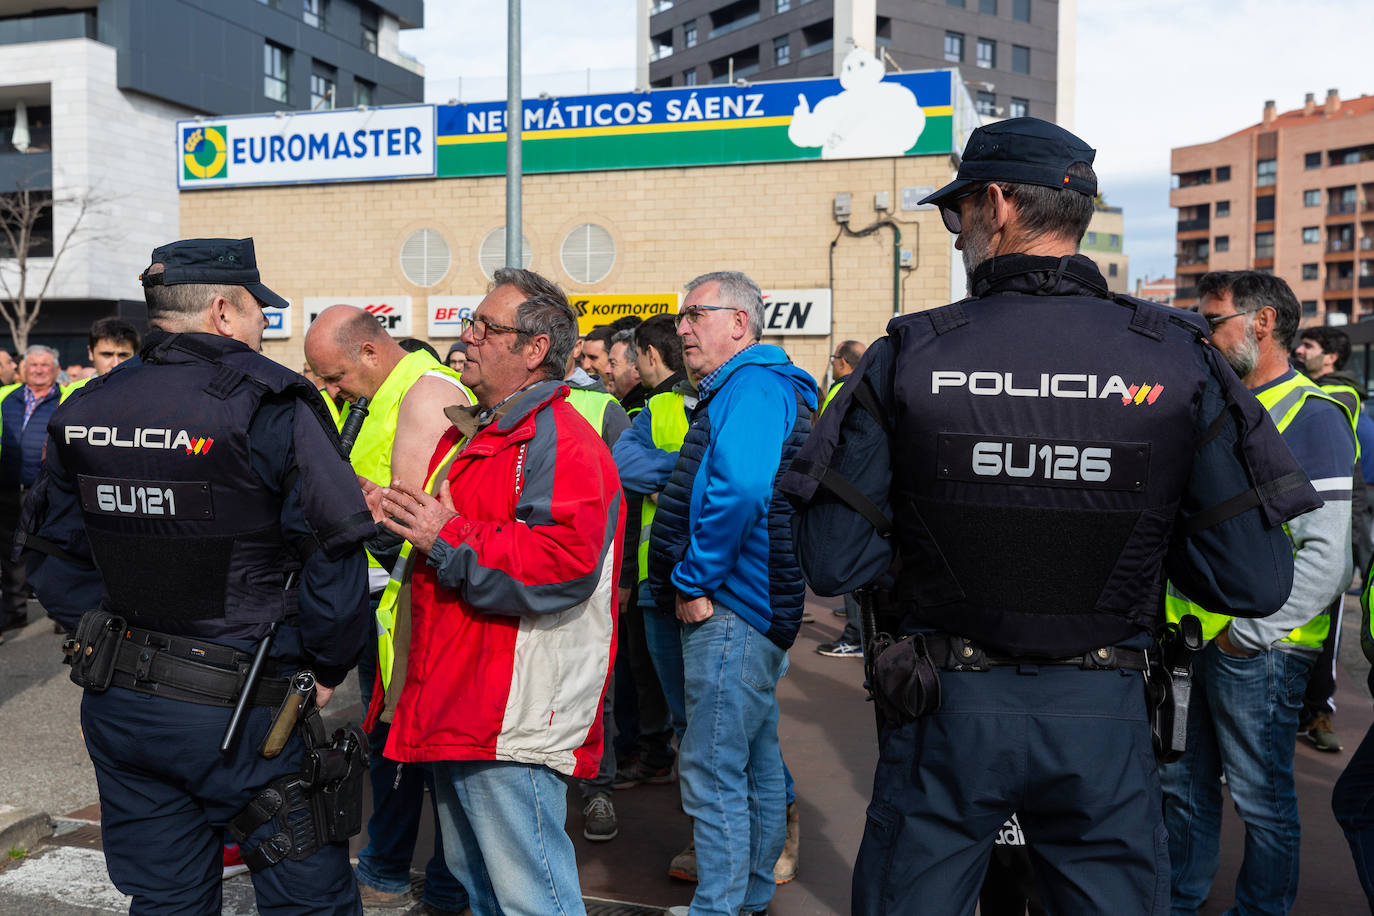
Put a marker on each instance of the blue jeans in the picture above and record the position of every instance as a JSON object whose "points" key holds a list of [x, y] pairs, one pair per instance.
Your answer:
{"points": [[504, 837], [1242, 721], [730, 763], [1352, 802], [398, 798], [664, 636]]}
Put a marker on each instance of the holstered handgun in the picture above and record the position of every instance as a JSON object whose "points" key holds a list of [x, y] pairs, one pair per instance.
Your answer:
{"points": [[1169, 683]]}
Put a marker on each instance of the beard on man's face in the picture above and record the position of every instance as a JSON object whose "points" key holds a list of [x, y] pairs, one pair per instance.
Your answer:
{"points": [[977, 240], [1244, 356]]}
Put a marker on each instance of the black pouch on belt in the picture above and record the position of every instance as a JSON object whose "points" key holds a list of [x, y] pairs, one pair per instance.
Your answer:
{"points": [[92, 651], [907, 681]]}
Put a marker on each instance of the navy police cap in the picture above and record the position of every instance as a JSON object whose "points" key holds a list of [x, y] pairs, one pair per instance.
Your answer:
{"points": [[1020, 151], [219, 262]]}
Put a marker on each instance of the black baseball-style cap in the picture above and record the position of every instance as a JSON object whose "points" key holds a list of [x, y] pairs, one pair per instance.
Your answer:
{"points": [[1021, 151], [221, 262]]}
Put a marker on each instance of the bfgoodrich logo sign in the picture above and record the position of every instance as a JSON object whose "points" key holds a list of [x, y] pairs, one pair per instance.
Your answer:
{"points": [[346, 145], [391, 312]]}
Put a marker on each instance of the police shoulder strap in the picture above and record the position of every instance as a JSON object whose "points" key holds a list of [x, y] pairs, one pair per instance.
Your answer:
{"points": [[861, 389]]}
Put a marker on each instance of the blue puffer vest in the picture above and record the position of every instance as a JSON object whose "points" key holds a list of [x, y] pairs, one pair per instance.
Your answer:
{"points": [[758, 575], [21, 446]]}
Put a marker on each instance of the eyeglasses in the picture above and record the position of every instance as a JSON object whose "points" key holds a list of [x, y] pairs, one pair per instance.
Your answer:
{"points": [[480, 326], [1214, 320], [695, 313], [836, 356], [949, 212]]}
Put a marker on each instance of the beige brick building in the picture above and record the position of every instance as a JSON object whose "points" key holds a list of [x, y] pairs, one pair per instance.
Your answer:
{"points": [[776, 222]]}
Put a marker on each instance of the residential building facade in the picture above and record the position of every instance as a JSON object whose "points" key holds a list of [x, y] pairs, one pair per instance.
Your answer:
{"points": [[1293, 195], [1104, 241], [1015, 55]]}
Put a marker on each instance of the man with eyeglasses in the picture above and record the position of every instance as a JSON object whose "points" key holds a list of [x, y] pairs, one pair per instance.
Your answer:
{"points": [[842, 363], [720, 557], [1250, 680], [850, 643], [514, 604], [1026, 464]]}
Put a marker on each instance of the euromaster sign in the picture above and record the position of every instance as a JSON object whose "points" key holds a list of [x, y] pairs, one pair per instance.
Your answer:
{"points": [[351, 145], [866, 113], [863, 114]]}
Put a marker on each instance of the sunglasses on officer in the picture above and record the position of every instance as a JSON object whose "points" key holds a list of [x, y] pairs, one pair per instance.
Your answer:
{"points": [[949, 211]]}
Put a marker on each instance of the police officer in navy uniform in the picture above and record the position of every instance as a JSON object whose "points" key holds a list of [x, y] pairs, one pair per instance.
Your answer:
{"points": [[196, 496], [1024, 466]]}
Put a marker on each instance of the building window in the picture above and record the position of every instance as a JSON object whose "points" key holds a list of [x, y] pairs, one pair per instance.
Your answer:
{"points": [[1309, 306], [987, 53], [1223, 173], [588, 253], [1312, 198], [689, 34], [689, 77], [1312, 161], [1266, 172], [989, 7], [321, 87], [784, 5], [1020, 10], [1264, 245], [1114, 242], [1020, 108], [1222, 243], [362, 92], [276, 63], [954, 47], [958, 3], [1223, 208], [782, 51], [491, 254], [367, 19], [1090, 239], [985, 103], [1264, 208], [317, 13], [425, 257], [1311, 235], [1309, 271], [16, 210], [1020, 59], [1111, 270]]}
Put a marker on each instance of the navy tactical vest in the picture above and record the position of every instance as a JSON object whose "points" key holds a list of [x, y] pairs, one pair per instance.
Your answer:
{"points": [[1043, 437], [186, 536]]}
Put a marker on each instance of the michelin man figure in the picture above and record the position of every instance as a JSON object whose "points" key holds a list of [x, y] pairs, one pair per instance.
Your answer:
{"points": [[868, 118]]}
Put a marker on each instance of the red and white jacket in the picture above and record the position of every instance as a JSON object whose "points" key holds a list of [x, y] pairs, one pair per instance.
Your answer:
{"points": [[514, 613]]}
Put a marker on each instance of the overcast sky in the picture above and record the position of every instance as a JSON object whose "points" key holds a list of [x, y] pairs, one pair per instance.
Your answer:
{"points": [[1152, 75]]}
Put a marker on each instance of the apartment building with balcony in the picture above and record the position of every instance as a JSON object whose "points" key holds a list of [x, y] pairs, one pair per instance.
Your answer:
{"points": [[1293, 195], [89, 94], [1104, 242], [1017, 56]]}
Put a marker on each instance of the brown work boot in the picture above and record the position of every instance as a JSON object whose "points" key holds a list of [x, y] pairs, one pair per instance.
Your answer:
{"points": [[1322, 735], [684, 864], [786, 867], [375, 897]]}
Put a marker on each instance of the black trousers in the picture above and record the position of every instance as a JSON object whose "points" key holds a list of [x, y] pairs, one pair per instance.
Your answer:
{"points": [[14, 585], [1321, 686]]}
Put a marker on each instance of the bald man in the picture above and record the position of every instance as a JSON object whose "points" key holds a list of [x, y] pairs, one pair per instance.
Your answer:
{"points": [[354, 357]]}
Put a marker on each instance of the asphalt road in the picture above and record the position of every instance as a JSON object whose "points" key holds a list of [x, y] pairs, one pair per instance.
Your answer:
{"points": [[827, 739]]}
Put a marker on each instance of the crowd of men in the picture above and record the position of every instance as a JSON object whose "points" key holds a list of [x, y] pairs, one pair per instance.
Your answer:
{"points": [[579, 561]]}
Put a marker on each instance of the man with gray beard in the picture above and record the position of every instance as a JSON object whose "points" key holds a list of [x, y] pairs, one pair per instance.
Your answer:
{"points": [[1248, 683], [1025, 466]]}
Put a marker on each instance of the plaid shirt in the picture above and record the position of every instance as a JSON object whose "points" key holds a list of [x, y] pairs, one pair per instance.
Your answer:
{"points": [[31, 401], [709, 379]]}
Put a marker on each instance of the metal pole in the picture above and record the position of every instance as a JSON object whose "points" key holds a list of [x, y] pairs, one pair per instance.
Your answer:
{"points": [[514, 122]]}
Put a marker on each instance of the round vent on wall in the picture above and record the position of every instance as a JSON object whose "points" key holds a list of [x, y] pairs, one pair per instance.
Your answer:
{"points": [[588, 253], [492, 255], [425, 257]]}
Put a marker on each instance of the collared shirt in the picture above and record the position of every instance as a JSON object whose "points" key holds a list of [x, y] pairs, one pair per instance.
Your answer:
{"points": [[31, 401], [707, 380]]}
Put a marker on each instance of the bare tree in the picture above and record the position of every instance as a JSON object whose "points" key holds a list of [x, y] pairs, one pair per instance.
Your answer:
{"points": [[27, 270]]}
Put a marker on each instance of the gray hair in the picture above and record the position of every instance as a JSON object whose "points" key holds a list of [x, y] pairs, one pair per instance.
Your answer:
{"points": [[737, 290], [40, 348], [627, 337], [544, 311]]}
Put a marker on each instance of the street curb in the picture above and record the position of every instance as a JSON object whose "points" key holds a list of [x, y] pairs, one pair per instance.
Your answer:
{"points": [[21, 828]]}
